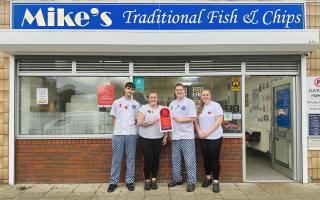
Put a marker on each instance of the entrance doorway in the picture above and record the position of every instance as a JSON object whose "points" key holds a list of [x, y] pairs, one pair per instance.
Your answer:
{"points": [[270, 128]]}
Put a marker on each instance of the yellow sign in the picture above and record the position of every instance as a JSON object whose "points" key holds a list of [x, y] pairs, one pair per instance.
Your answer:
{"points": [[235, 84]]}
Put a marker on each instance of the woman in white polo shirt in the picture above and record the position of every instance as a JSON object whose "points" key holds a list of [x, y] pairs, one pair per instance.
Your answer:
{"points": [[208, 126], [151, 139]]}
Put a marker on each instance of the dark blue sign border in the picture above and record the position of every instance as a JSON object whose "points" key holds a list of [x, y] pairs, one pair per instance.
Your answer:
{"points": [[158, 16]]}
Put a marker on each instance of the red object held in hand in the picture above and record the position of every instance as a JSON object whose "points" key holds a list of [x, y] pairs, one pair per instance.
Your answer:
{"points": [[165, 120]]}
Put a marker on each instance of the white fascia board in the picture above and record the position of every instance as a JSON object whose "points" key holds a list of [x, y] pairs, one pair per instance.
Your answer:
{"points": [[159, 42]]}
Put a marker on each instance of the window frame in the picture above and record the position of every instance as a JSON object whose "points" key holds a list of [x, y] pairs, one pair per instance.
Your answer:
{"points": [[131, 73], [50, 136]]}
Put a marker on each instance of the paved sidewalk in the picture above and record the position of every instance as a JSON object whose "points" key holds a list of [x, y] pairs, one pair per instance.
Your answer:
{"points": [[258, 191]]}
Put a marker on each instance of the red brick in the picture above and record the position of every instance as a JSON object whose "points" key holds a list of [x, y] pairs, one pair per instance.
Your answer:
{"points": [[89, 161]]}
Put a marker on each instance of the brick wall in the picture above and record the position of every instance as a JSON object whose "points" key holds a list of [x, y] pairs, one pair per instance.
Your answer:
{"points": [[4, 96], [4, 117], [313, 69], [314, 165], [83, 160]]}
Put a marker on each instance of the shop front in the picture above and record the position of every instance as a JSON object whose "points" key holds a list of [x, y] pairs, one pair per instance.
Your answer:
{"points": [[69, 62]]}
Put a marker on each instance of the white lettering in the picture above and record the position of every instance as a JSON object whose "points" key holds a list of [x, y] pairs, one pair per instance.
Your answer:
{"points": [[106, 19], [38, 18], [51, 17], [280, 17], [82, 19], [128, 13], [64, 18], [223, 18]]}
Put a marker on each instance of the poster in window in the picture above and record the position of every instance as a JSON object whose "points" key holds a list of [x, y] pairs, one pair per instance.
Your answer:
{"points": [[139, 83], [283, 108], [235, 84], [255, 99], [196, 94], [42, 96], [105, 94]]}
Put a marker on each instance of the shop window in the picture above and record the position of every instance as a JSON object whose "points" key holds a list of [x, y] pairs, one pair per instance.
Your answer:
{"points": [[226, 90], [67, 105]]}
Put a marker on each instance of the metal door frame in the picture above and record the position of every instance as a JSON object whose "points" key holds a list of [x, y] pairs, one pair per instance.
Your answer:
{"points": [[292, 174]]}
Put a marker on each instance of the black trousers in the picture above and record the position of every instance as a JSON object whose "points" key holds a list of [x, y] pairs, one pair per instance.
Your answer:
{"points": [[151, 149], [211, 156]]}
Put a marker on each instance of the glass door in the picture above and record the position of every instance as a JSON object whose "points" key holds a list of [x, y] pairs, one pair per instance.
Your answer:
{"points": [[283, 127]]}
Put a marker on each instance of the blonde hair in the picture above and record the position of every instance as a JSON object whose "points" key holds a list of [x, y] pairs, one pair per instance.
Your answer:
{"points": [[201, 104]]}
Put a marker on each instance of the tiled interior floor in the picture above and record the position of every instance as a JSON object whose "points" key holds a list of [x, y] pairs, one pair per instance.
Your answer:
{"points": [[259, 169]]}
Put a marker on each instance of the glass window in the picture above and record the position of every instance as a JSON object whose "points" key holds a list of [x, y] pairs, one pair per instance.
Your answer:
{"points": [[68, 105], [226, 90]]}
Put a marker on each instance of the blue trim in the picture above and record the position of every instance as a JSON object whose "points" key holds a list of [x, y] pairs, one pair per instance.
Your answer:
{"points": [[161, 16]]}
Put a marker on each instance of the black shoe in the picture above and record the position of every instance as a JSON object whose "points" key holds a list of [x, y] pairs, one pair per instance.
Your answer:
{"points": [[154, 185], [130, 186], [215, 187], [190, 187], [206, 182], [174, 183], [147, 185], [112, 187]]}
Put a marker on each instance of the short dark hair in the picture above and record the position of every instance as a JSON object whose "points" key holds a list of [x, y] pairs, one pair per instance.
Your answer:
{"points": [[129, 85], [178, 84]]}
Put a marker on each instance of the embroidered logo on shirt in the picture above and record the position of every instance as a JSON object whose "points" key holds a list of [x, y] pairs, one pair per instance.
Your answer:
{"points": [[183, 108], [126, 107], [120, 105], [134, 107], [209, 113]]}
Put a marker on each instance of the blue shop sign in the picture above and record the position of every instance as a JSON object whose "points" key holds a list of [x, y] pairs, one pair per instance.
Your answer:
{"points": [[158, 16]]}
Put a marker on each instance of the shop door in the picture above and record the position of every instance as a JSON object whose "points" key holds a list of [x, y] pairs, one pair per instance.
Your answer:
{"points": [[283, 127]]}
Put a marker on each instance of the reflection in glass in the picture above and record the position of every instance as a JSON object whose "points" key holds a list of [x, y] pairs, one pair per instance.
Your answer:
{"points": [[72, 105]]}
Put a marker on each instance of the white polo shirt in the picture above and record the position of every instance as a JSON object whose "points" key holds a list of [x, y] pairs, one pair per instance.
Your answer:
{"points": [[150, 114], [208, 117], [184, 108], [125, 112]]}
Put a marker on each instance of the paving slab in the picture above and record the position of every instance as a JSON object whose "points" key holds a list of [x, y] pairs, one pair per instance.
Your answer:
{"points": [[36, 188], [34, 196], [232, 194], [87, 188], [229, 191]]}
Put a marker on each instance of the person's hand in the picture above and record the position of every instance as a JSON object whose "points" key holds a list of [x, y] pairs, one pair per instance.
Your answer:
{"points": [[202, 134], [164, 141], [169, 136]]}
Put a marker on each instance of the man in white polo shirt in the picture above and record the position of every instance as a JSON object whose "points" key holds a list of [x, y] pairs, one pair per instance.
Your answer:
{"points": [[123, 112], [183, 111]]}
